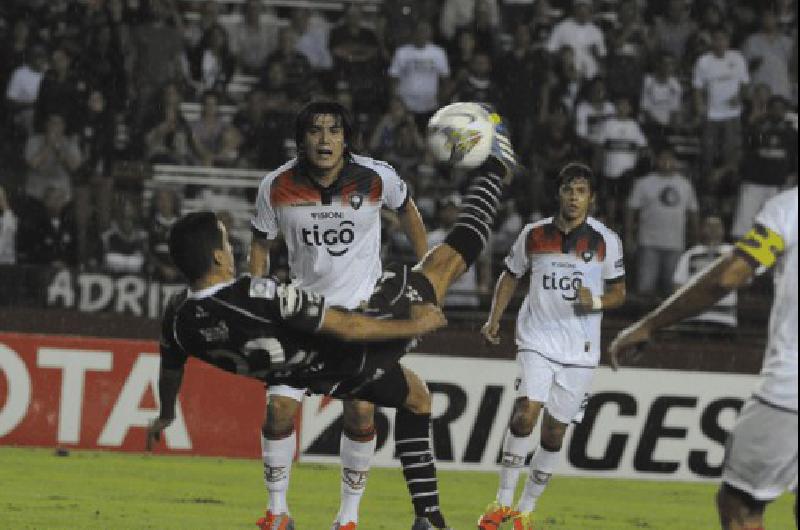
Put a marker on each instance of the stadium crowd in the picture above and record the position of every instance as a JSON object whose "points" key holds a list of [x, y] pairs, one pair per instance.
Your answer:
{"points": [[685, 108]]}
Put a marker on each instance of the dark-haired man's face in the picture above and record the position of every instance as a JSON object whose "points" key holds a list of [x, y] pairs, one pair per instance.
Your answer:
{"points": [[324, 142], [575, 198]]}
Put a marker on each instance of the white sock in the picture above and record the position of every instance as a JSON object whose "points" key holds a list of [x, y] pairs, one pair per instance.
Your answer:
{"points": [[278, 456], [515, 450], [356, 457], [542, 466]]}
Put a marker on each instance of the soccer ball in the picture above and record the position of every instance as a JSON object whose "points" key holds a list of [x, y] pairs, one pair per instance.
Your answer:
{"points": [[461, 134]]}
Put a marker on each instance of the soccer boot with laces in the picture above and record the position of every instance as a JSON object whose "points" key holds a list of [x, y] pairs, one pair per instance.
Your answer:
{"points": [[523, 521], [272, 521], [502, 158], [349, 526], [494, 516], [421, 523]]}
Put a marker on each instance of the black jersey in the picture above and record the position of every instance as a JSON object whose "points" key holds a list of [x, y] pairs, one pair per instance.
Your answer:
{"points": [[260, 328], [256, 327]]}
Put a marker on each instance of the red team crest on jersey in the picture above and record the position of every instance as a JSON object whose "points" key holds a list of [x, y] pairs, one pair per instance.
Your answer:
{"points": [[356, 200]]}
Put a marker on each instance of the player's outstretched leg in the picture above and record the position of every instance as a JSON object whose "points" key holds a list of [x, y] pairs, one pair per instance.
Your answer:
{"points": [[443, 264]]}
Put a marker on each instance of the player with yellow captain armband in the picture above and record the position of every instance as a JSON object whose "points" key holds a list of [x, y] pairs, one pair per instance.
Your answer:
{"points": [[761, 456]]}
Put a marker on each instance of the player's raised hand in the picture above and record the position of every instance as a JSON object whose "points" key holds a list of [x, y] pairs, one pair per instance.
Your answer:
{"points": [[428, 317], [584, 301], [154, 431], [630, 339], [491, 332]]}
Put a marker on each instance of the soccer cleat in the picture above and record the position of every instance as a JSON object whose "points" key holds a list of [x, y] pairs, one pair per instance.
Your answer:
{"points": [[495, 515], [502, 158], [421, 523], [272, 521], [523, 521], [349, 526]]}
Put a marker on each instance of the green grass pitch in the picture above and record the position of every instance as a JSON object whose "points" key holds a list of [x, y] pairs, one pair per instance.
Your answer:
{"points": [[39, 490]]}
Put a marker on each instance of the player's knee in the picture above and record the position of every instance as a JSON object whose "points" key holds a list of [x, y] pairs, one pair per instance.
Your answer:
{"points": [[279, 421], [419, 398], [734, 504], [553, 433], [359, 419], [524, 416]]}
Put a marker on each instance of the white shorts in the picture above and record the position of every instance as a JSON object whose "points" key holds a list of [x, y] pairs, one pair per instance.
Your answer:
{"points": [[561, 388], [761, 452], [751, 198], [297, 394]]}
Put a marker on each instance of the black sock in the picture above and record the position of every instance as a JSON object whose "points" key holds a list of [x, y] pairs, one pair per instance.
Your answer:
{"points": [[470, 235], [412, 439]]}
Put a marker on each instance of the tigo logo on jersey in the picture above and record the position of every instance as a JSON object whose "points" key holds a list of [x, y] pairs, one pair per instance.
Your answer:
{"points": [[570, 284], [330, 238]]}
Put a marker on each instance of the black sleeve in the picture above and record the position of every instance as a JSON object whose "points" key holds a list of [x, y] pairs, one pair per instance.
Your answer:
{"points": [[287, 304], [173, 357]]}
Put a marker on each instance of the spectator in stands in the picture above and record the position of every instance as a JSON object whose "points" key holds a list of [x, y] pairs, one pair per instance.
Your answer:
{"points": [[404, 150], [312, 38], [720, 81], [299, 77], [256, 39], [756, 107], [629, 45], [359, 62], [562, 87], [47, 234], [384, 134], [768, 54], [592, 112], [13, 49], [558, 144], [125, 242], [168, 138], [211, 63], [459, 55], [8, 231], [770, 158], [52, 158], [620, 144], [661, 208], [477, 85], [23, 90], [106, 62], [207, 130], [418, 71], [580, 33], [520, 73], [229, 154], [158, 51], [696, 259], [194, 31], [238, 246], [164, 211], [662, 96], [266, 125], [672, 31], [457, 14], [787, 16], [61, 91]]}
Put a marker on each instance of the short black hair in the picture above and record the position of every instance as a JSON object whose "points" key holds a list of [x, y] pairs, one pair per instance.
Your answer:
{"points": [[575, 170], [305, 119], [192, 242]]}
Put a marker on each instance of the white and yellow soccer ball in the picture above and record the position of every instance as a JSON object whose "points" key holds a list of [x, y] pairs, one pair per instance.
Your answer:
{"points": [[461, 134]]}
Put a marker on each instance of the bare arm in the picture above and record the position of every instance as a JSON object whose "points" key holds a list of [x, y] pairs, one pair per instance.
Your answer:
{"points": [[169, 383], [723, 276], [503, 291], [357, 327], [613, 297], [258, 258], [412, 224]]}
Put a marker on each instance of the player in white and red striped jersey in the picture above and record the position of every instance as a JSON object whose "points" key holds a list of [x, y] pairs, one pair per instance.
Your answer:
{"points": [[576, 271], [326, 203]]}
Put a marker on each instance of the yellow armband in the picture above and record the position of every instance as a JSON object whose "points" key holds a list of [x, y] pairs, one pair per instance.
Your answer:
{"points": [[762, 244]]}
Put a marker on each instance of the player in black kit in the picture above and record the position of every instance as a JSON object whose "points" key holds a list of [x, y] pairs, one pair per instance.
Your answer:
{"points": [[276, 333]]}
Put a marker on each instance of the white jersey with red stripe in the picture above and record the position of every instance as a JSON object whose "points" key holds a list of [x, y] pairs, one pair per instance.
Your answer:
{"points": [[773, 242], [560, 264], [333, 234]]}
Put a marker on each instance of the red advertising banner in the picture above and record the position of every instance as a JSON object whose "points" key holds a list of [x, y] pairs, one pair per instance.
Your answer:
{"points": [[101, 393]]}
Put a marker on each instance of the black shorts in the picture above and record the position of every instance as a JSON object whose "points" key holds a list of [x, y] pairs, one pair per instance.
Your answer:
{"points": [[372, 372]]}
